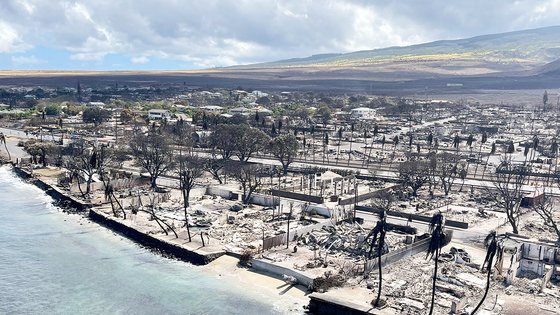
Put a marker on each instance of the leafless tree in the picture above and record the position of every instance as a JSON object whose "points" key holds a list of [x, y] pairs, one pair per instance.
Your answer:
{"points": [[546, 211], [249, 176], [108, 158], [82, 161], [153, 153], [215, 165], [3, 141], [414, 174], [507, 192], [153, 197], [190, 169], [446, 169], [384, 200]]}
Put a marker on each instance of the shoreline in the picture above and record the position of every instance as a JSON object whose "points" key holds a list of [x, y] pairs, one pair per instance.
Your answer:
{"points": [[158, 244], [264, 274], [222, 263]]}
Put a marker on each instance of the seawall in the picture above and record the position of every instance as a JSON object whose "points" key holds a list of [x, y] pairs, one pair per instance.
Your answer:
{"points": [[59, 196], [166, 248]]}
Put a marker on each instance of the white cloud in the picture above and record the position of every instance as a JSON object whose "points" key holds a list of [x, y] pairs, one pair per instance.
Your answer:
{"points": [[10, 42], [225, 32]]}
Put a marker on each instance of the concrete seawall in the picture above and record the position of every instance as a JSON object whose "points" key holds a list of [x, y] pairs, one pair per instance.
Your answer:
{"points": [[53, 192], [168, 249]]}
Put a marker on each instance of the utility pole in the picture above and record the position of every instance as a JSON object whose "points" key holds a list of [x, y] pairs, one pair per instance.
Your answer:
{"points": [[116, 128], [288, 230], [355, 198]]}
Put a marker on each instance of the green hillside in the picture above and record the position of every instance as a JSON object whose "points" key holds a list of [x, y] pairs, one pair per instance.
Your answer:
{"points": [[536, 47]]}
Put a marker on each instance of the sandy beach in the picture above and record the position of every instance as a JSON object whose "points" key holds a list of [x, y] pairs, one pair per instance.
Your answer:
{"points": [[289, 299]]}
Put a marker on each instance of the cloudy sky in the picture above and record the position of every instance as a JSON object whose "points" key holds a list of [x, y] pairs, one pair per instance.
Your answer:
{"points": [[195, 34]]}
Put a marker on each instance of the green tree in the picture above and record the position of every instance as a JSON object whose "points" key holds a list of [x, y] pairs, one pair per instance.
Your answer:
{"points": [[95, 115], [325, 114], [249, 141], [52, 110], [285, 149]]}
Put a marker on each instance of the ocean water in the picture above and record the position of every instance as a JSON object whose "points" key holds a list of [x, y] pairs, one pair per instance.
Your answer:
{"points": [[54, 263]]}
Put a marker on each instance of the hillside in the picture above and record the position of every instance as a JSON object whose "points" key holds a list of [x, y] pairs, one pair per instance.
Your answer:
{"points": [[486, 54]]}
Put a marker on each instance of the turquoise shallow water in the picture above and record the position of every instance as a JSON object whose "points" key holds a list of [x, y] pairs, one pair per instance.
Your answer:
{"points": [[53, 263]]}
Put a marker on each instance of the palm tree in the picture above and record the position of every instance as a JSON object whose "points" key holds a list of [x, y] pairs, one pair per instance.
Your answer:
{"points": [[3, 140], [456, 142], [351, 141], [437, 241], [482, 141], [395, 143], [326, 145], [304, 147], [380, 230], [383, 140], [338, 149], [535, 146], [470, 141], [375, 133], [493, 249], [430, 140], [492, 151], [554, 153], [312, 131], [365, 155]]}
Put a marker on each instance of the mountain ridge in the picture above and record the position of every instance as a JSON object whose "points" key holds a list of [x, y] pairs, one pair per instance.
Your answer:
{"points": [[523, 49]]}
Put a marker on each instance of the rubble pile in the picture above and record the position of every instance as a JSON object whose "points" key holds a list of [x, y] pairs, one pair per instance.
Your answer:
{"points": [[410, 280], [347, 240]]}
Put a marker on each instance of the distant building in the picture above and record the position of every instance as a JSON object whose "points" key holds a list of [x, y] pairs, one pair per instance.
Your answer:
{"points": [[212, 109], [95, 104], [362, 113], [241, 110], [157, 114]]}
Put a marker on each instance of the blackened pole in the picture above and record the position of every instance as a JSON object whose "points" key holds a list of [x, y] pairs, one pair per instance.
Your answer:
{"points": [[288, 230]]}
